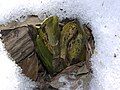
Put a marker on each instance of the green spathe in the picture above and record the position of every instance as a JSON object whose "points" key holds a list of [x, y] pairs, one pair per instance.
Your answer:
{"points": [[60, 48], [44, 54]]}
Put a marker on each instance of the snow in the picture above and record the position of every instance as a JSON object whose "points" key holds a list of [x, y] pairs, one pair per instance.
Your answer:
{"points": [[102, 15]]}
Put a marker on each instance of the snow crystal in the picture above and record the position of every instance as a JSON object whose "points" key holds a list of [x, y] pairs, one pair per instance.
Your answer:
{"points": [[102, 15]]}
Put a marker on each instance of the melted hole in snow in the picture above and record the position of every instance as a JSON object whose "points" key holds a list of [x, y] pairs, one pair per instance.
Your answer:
{"points": [[103, 16]]}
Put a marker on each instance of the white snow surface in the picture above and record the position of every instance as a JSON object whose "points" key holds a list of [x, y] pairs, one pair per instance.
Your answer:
{"points": [[102, 15]]}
